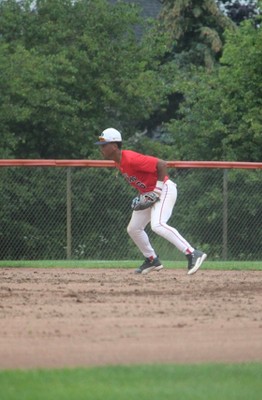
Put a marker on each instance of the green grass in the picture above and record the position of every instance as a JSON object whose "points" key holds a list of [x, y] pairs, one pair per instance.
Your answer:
{"points": [[215, 265], [167, 382]]}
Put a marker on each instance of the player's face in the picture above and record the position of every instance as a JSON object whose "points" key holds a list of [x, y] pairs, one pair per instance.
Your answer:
{"points": [[108, 150]]}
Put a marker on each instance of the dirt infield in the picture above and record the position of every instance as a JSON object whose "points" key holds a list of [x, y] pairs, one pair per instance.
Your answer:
{"points": [[86, 317]]}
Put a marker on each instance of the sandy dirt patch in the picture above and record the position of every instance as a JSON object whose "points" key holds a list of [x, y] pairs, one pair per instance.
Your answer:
{"points": [[52, 318]]}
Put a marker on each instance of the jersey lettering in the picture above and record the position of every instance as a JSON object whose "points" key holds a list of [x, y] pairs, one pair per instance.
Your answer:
{"points": [[132, 180]]}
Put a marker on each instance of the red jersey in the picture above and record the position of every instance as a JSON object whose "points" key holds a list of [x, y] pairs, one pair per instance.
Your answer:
{"points": [[139, 170]]}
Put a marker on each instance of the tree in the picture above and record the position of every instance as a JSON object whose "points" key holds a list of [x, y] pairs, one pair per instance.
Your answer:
{"points": [[241, 105], [221, 117], [71, 68], [196, 28]]}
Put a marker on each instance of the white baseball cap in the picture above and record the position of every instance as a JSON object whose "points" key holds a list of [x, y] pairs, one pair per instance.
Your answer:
{"points": [[109, 135]]}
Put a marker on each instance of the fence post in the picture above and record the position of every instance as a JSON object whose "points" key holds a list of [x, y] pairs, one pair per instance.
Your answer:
{"points": [[68, 214], [225, 213]]}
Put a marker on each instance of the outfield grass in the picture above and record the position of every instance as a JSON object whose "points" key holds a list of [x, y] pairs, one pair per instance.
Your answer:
{"points": [[157, 382], [214, 265]]}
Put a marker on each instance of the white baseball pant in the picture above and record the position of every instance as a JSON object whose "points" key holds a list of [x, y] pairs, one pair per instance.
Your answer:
{"points": [[159, 214]]}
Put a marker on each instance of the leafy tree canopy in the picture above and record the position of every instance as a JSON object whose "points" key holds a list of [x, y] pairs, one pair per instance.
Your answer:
{"points": [[196, 28], [69, 69], [221, 117]]}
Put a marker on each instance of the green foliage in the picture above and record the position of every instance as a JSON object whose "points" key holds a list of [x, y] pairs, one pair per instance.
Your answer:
{"points": [[221, 116], [100, 241], [70, 69], [241, 104], [195, 28], [35, 106], [249, 199], [33, 214], [197, 133], [26, 204]]}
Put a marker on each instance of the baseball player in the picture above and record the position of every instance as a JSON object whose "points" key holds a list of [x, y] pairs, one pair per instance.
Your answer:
{"points": [[154, 204]]}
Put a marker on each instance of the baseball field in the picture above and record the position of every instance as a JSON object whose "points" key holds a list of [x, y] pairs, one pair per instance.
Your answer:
{"points": [[85, 330]]}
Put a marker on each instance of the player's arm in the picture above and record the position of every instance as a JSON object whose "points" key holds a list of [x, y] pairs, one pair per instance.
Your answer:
{"points": [[161, 170], [161, 174]]}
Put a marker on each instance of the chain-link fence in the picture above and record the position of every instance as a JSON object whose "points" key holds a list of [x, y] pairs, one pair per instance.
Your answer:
{"points": [[82, 213]]}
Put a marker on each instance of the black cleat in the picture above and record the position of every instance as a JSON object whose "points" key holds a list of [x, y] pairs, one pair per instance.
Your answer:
{"points": [[195, 260], [149, 265]]}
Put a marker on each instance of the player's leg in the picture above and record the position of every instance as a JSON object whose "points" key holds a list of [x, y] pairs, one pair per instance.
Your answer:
{"points": [[136, 230], [160, 214]]}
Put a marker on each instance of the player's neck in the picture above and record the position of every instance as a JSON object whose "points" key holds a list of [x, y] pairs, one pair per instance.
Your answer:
{"points": [[118, 156]]}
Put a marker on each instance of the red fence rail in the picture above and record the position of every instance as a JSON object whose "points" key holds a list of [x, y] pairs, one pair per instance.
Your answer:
{"points": [[106, 163]]}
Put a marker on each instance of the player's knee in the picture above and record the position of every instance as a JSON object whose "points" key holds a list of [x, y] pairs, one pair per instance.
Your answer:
{"points": [[133, 231], [130, 230], [157, 228]]}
